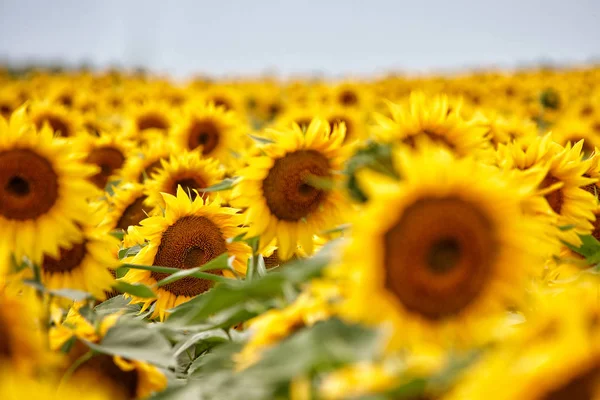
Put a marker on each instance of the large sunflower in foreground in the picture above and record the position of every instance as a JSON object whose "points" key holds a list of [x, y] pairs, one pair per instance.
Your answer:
{"points": [[123, 379], [212, 130], [556, 357], [431, 118], [281, 190], [434, 255], [84, 264], [188, 170], [43, 189], [188, 235]]}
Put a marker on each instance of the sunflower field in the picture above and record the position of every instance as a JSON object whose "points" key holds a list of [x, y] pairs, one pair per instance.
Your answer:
{"points": [[426, 237]]}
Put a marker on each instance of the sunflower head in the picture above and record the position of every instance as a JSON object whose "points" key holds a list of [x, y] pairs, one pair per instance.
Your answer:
{"points": [[188, 170], [212, 130], [440, 250], [430, 119], [188, 235], [291, 192], [63, 122], [44, 188]]}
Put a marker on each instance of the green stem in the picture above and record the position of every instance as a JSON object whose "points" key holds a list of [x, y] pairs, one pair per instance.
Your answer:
{"points": [[76, 364], [169, 270]]}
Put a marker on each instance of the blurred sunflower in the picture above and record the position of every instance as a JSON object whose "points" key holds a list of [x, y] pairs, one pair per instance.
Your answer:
{"points": [[555, 357], [122, 378], [147, 117], [23, 346], [429, 118], [283, 191], [127, 206], [83, 265], [16, 386], [63, 122], [188, 170], [44, 187], [225, 97], [210, 129], [142, 163], [191, 233], [573, 130], [108, 152], [437, 253]]}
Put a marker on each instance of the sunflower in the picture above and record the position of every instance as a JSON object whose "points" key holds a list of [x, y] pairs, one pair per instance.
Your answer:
{"points": [[22, 338], [348, 94], [210, 129], [353, 119], [108, 152], [225, 97], [424, 117], [187, 169], [149, 117], [44, 187], [188, 235], [83, 265], [573, 130], [504, 129], [434, 255], [122, 378], [143, 163], [63, 122], [127, 206], [556, 356], [16, 386], [276, 188]]}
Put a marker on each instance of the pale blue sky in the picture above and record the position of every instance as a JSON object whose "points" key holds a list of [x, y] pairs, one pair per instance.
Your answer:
{"points": [[332, 36]]}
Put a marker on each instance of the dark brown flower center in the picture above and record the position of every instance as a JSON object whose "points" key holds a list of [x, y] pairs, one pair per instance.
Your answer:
{"points": [[205, 134], [150, 169], [58, 124], [68, 260], [556, 198], [152, 121], [28, 185], [133, 214], [221, 102], [6, 110], [190, 242], [188, 184], [125, 382], [109, 159], [439, 256], [431, 135], [581, 387], [286, 188], [348, 98]]}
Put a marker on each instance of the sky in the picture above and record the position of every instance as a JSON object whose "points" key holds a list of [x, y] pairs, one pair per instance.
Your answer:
{"points": [[330, 37]]}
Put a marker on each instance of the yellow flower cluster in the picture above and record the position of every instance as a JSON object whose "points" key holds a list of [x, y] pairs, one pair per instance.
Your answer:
{"points": [[462, 212]]}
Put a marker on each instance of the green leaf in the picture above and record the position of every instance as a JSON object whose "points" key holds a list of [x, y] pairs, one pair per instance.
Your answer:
{"points": [[71, 294], [135, 289], [136, 340], [213, 336], [219, 262], [169, 270], [225, 184], [110, 187], [261, 140], [590, 248], [323, 347], [262, 289], [129, 251], [118, 233], [117, 304]]}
